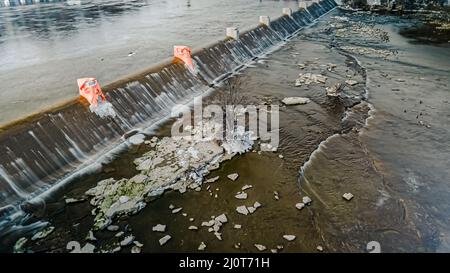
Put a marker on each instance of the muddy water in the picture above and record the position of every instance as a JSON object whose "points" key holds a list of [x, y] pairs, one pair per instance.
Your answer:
{"points": [[382, 151]]}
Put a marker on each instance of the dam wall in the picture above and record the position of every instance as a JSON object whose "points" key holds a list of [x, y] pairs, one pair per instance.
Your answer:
{"points": [[40, 151]]}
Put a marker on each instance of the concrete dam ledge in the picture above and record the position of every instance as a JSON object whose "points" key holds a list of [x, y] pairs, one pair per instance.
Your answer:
{"points": [[40, 150]]}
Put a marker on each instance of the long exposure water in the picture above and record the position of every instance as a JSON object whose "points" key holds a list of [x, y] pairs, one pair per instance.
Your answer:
{"points": [[45, 47], [390, 151]]}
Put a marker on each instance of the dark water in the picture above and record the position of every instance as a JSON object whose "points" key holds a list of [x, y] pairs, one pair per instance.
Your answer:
{"points": [[381, 150], [45, 47]]}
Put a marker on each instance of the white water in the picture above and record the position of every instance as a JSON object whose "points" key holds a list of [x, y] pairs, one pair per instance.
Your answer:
{"points": [[136, 139], [103, 110], [12, 185]]}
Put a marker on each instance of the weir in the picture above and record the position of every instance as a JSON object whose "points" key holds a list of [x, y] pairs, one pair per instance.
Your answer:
{"points": [[42, 150]]}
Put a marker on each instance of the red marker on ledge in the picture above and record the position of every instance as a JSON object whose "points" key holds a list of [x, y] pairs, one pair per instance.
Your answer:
{"points": [[184, 53], [91, 91]]}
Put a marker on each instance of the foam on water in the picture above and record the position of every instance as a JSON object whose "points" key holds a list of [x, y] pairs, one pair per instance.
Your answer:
{"points": [[103, 110]]}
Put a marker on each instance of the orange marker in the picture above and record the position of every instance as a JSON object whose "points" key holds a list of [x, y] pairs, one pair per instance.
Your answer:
{"points": [[184, 53], [91, 91]]}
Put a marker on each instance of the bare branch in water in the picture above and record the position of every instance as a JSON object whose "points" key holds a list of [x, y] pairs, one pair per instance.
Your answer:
{"points": [[233, 92]]}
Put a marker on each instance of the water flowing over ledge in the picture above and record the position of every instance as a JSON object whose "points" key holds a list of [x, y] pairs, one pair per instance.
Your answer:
{"points": [[51, 147]]}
